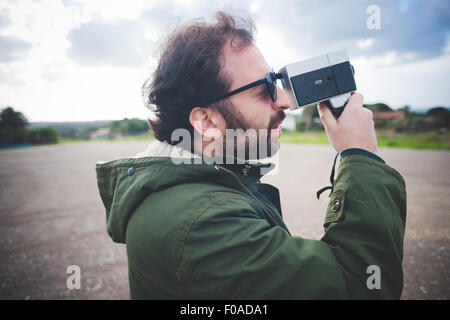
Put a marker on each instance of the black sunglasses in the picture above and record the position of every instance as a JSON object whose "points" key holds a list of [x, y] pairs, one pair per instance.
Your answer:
{"points": [[269, 80]]}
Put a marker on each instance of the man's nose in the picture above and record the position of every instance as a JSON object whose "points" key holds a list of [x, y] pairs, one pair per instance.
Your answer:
{"points": [[283, 101]]}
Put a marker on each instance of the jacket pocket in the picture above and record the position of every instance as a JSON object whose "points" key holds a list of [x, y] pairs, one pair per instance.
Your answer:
{"points": [[335, 210]]}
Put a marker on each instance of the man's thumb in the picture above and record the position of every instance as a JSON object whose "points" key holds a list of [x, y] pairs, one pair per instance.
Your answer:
{"points": [[326, 116]]}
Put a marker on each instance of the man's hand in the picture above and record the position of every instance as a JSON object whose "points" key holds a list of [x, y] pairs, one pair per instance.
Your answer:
{"points": [[354, 128]]}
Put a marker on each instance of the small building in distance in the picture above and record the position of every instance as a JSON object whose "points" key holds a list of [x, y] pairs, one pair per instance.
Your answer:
{"points": [[103, 133], [391, 115], [289, 123]]}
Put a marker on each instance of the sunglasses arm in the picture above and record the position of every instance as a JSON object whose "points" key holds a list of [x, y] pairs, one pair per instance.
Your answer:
{"points": [[251, 85]]}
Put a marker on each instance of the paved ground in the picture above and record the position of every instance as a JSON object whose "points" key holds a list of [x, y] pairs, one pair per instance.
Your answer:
{"points": [[52, 217]]}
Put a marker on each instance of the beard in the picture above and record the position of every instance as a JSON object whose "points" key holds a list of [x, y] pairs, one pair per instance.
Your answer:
{"points": [[242, 141]]}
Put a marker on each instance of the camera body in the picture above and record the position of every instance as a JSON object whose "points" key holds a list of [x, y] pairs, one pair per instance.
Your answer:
{"points": [[328, 78]]}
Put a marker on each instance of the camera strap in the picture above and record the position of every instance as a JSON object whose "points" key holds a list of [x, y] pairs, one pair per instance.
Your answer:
{"points": [[331, 180]]}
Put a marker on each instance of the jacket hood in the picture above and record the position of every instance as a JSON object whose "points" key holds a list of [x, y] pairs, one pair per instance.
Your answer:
{"points": [[123, 184]]}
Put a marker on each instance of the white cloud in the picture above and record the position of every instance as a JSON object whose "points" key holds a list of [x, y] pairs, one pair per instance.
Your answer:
{"points": [[255, 6], [110, 9], [13, 48], [89, 93], [5, 20], [120, 42], [419, 84], [447, 47], [275, 48], [366, 43]]}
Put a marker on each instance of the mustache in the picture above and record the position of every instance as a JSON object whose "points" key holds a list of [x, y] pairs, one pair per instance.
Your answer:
{"points": [[280, 117]]}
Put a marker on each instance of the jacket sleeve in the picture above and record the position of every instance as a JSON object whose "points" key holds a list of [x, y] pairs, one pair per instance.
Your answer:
{"points": [[228, 251], [365, 225]]}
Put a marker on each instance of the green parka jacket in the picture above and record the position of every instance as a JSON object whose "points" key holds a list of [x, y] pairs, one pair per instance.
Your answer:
{"points": [[205, 231]]}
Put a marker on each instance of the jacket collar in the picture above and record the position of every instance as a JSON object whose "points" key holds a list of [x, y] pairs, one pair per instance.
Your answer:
{"points": [[247, 168]]}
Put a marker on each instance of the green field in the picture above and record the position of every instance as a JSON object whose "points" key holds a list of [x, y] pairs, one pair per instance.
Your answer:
{"points": [[431, 140]]}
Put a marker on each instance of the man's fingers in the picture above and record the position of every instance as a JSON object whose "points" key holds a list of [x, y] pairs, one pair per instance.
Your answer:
{"points": [[326, 116], [355, 101], [329, 121]]}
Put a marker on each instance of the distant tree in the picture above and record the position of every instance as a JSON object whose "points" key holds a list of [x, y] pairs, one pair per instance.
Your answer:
{"points": [[12, 126], [310, 113], [114, 125], [127, 126], [440, 116], [437, 112], [406, 108], [45, 135], [124, 127], [14, 119], [137, 126]]}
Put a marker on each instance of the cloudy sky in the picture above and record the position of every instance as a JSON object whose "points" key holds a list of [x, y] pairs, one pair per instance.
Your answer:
{"points": [[73, 60]]}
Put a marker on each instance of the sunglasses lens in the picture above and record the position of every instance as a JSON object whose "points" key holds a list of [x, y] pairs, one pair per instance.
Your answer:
{"points": [[271, 86], [274, 95]]}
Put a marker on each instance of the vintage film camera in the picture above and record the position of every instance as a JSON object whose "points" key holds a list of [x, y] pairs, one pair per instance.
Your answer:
{"points": [[327, 78]]}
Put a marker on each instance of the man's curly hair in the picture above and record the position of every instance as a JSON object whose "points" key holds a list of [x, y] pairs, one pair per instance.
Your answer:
{"points": [[189, 73]]}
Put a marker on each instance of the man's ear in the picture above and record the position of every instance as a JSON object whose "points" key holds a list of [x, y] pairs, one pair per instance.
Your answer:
{"points": [[204, 119]]}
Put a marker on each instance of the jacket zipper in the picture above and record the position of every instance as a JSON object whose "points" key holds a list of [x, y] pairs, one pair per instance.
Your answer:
{"points": [[267, 209]]}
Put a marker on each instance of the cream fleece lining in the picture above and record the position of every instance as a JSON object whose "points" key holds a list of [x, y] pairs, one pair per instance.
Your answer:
{"points": [[163, 149]]}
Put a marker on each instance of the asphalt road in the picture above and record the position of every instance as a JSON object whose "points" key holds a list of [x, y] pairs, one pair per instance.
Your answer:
{"points": [[52, 217]]}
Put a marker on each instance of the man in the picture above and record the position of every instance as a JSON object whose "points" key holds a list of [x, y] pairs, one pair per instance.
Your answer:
{"points": [[201, 229]]}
